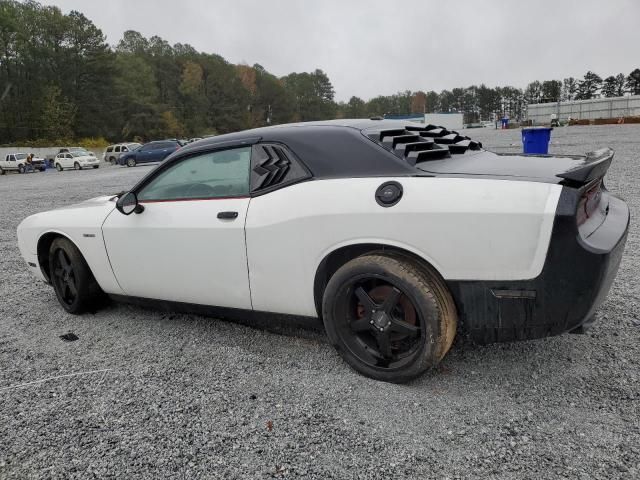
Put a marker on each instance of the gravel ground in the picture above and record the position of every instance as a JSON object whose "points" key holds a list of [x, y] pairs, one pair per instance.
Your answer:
{"points": [[144, 393]]}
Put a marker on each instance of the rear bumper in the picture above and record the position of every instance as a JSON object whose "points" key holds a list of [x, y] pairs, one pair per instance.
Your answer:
{"points": [[576, 277]]}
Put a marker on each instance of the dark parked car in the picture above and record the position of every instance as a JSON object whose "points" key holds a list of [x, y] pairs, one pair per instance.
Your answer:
{"points": [[150, 152]]}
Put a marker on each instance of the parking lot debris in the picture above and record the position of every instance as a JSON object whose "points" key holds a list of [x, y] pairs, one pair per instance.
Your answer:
{"points": [[69, 337]]}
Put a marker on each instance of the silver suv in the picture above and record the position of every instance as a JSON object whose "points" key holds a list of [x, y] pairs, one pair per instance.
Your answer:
{"points": [[113, 152]]}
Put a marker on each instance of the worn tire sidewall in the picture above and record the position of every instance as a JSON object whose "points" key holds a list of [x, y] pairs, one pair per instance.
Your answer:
{"points": [[395, 271]]}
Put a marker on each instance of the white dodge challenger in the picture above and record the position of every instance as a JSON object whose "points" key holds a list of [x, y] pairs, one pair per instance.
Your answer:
{"points": [[396, 236]]}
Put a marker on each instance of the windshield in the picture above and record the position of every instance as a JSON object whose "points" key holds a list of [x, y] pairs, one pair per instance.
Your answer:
{"points": [[21, 156]]}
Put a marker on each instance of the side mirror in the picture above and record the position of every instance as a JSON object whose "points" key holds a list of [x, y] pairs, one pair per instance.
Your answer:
{"points": [[128, 204]]}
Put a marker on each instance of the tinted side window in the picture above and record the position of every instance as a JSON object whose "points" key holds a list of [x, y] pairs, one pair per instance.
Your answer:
{"points": [[109, 149], [211, 175], [117, 149]]}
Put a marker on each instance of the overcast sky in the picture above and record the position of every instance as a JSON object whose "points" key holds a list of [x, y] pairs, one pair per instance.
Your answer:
{"points": [[374, 47]]}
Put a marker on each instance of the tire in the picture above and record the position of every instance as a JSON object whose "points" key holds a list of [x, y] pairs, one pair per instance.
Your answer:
{"points": [[131, 162], [20, 168], [2, 172], [96, 166], [72, 280], [77, 166], [59, 167], [388, 317], [112, 160]]}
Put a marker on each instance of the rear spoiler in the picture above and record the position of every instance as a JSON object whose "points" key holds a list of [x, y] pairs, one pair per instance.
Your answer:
{"points": [[595, 166]]}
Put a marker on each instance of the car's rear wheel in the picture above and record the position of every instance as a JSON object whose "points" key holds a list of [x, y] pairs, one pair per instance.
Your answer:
{"points": [[77, 166], [389, 318], [73, 282], [58, 167], [131, 162]]}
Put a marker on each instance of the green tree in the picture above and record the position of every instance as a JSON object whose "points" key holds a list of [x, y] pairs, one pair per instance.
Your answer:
{"points": [[609, 87], [356, 108], [533, 92], [589, 86], [312, 94], [58, 115], [633, 82], [569, 89], [551, 91], [620, 85]]}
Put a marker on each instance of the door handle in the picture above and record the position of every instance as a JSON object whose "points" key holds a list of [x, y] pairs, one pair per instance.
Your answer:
{"points": [[227, 215]]}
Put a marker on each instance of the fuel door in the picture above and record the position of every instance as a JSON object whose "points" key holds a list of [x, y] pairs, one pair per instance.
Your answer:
{"points": [[388, 194]]}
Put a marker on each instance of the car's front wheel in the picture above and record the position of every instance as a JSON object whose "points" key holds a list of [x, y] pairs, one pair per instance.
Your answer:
{"points": [[20, 168], [77, 166], [131, 162], [389, 317], [73, 282]]}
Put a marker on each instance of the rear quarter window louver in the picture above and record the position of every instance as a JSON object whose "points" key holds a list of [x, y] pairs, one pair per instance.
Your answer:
{"points": [[418, 143], [272, 166]]}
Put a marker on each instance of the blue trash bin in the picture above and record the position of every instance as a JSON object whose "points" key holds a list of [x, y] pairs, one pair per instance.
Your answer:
{"points": [[536, 140]]}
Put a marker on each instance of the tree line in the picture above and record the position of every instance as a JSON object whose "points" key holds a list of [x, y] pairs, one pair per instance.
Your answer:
{"points": [[59, 79]]}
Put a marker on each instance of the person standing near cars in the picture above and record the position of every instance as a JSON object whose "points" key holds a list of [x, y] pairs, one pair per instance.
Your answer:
{"points": [[28, 167]]}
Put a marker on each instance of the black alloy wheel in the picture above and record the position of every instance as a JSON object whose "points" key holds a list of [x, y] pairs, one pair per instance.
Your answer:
{"points": [[383, 327], [389, 317], [72, 280], [64, 277]]}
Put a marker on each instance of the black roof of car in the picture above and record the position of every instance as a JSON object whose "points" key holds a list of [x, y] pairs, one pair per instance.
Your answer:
{"points": [[352, 148], [387, 148]]}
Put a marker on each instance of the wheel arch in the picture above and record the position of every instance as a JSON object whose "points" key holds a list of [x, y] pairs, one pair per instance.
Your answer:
{"points": [[341, 255], [44, 244]]}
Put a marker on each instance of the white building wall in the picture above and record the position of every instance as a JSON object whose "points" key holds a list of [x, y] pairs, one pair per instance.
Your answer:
{"points": [[629, 106]]}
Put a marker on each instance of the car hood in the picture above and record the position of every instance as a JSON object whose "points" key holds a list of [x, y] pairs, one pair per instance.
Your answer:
{"points": [[541, 168], [91, 203], [73, 221]]}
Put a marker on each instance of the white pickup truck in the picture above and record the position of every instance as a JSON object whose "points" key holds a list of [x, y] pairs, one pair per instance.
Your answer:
{"points": [[18, 162]]}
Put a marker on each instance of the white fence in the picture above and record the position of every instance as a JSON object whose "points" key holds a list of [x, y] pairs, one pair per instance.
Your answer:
{"points": [[540, 113]]}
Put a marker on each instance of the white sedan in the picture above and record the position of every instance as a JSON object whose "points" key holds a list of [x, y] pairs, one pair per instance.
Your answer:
{"points": [[395, 235], [76, 160]]}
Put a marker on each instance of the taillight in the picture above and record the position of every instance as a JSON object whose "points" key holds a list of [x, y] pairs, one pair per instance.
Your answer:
{"points": [[589, 202]]}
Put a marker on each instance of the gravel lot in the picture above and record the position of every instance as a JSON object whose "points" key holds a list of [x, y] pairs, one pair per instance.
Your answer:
{"points": [[145, 393]]}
